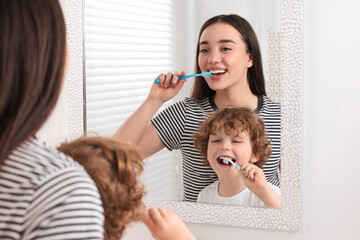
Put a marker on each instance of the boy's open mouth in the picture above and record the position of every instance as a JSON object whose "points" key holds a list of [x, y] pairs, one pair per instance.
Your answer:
{"points": [[225, 160]]}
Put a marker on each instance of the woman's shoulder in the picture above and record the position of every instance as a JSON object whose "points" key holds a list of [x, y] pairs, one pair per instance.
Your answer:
{"points": [[270, 106], [44, 161], [270, 102], [203, 104], [188, 108], [194, 101], [56, 183]]}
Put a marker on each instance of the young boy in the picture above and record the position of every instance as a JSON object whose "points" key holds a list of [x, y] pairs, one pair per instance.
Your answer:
{"points": [[236, 134], [115, 167]]}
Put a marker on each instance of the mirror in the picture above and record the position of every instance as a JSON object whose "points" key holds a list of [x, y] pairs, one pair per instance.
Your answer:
{"points": [[291, 61]]}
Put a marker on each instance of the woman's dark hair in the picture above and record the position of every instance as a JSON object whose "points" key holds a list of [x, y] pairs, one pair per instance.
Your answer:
{"points": [[32, 61], [255, 73]]}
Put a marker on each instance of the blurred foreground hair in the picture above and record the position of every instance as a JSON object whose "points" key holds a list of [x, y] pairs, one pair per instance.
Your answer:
{"points": [[115, 167], [32, 67]]}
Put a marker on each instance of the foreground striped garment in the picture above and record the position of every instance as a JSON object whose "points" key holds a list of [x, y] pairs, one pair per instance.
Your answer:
{"points": [[46, 195], [176, 124]]}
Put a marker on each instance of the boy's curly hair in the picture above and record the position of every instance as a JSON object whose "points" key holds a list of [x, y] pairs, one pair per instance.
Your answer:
{"points": [[236, 119], [114, 166]]}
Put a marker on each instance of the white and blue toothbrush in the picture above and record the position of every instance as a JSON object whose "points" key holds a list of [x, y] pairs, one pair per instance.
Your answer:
{"points": [[227, 160], [203, 74]]}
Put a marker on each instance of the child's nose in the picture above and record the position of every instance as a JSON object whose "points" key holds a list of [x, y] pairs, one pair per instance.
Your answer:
{"points": [[225, 145]]}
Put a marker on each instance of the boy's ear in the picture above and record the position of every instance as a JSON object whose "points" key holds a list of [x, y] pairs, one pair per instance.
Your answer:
{"points": [[254, 158]]}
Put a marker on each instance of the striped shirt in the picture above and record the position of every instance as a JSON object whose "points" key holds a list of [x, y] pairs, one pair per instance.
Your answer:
{"points": [[44, 194], [177, 123]]}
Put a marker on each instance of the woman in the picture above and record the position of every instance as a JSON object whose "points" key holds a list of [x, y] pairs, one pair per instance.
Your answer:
{"points": [[44, 193], [228, 48]]}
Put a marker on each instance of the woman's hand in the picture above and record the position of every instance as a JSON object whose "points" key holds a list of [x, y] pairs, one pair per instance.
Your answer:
{"points": [[168, 87], [165, 225]]}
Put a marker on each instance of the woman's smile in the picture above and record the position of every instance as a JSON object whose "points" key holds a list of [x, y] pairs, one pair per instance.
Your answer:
{"points": [[217, 73]]}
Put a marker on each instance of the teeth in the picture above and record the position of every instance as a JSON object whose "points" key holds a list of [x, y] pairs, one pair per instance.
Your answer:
{"points": [[225, 160], [217, 71]]}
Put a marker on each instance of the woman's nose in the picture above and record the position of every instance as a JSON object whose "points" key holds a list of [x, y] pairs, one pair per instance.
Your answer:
{"points": [[214, 57]]}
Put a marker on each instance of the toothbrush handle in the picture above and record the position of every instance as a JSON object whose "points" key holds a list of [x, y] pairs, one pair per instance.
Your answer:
{"points": [[183, 77], [188, 76], [238, 168]]}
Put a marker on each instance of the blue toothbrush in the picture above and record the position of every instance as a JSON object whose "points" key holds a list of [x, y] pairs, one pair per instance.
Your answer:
{"points": [[203, 74]]}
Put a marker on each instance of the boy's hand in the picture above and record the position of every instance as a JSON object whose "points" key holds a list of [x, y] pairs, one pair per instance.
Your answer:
{"points": [[165, 225], [254, 177], [255, 180]]}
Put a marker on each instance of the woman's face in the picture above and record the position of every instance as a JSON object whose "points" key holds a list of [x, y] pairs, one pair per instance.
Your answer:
{"points": [[223, 53]]}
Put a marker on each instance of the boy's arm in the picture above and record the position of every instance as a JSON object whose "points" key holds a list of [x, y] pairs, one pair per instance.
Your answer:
{"points": [[269, 197], [165, 225], [255, 180]]}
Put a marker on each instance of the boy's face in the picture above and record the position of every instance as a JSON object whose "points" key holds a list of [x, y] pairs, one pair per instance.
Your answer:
{"points": [[236, 147]]}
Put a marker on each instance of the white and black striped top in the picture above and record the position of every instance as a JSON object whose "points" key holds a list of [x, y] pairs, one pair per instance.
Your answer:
{"points": [[46, 195], [177, 123]]}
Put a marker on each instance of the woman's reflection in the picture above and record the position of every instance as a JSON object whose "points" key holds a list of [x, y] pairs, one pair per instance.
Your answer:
{"points": [[229, 49], [236, 136]]}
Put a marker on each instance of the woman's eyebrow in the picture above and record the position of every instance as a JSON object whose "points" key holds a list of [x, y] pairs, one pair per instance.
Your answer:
{"points": [[227, 41], [221, 41]]}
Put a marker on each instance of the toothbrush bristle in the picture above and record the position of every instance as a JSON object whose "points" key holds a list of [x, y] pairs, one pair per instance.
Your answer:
{"points": [[206, 74], [227, 160], [231, 161]]}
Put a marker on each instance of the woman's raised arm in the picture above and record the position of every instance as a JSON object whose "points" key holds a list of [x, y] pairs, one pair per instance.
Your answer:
{"points": [[137, 128]]}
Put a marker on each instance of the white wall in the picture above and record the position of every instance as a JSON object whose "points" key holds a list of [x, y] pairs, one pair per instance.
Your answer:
{"points": [[331, 131], [185, 42], [54, 131]]}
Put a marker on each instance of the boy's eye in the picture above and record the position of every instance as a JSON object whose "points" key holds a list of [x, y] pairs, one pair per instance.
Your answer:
{"points": [[214, 139], [237, 140]]}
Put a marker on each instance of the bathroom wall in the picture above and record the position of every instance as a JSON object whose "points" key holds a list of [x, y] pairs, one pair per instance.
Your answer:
{"points": [[331, 164]]}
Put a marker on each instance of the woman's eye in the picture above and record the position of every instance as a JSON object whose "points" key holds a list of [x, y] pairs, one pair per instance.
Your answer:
{"points": [[203, 50], [225, 49]]}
